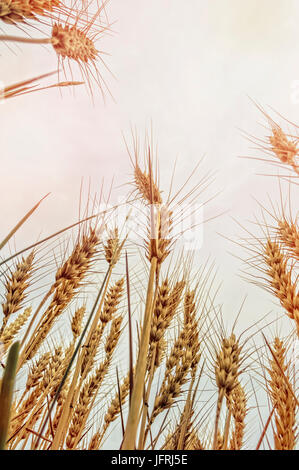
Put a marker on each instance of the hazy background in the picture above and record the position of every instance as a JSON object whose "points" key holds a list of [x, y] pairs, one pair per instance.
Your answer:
{"points": [[187, 67]]}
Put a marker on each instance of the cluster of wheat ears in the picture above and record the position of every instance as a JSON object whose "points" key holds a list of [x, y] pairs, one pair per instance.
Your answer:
{"points": [[69, 303]]}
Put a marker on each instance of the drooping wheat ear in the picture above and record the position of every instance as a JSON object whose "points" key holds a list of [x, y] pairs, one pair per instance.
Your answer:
{"points": [[282, 398], [226, 373], [77, 319], [281, 282], [16, 284], [112, 252], [16, 11], [112, 413], [237, 403], [91, 386], [289, 235], [284, 148], [11, 330], [69, 278]]}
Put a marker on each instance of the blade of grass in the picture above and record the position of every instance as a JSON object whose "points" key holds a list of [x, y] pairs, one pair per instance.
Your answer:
{"points": [[21, 222], [7, 387]]}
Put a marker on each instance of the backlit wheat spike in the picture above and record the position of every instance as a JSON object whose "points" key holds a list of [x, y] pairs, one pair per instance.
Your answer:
{"points": [[112, 252], [226, 373], [111, 301], [77, 319], [165, 308], [71, 42], [178, 366], [194, 442], [75, 42], [193, 336], [172, 305], [48, 382], [160, 229], [183, 433], [146, 187], [112, 413], [110, 306], [34, 385], [280, 279], [36, 371], [237, 403], [63, 392], [16, 11], [16, 284], [90, 350], [285, 150], [68, 279], [11, 330], [172, 386], [159, 324], [92, 385], [288, 233], [283, 399]]}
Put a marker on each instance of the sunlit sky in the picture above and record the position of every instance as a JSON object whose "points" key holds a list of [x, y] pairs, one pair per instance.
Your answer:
{"points": [[190, 69]]}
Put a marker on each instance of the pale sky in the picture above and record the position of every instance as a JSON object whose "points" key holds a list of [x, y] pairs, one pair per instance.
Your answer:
{"points": [[187, 67]]}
